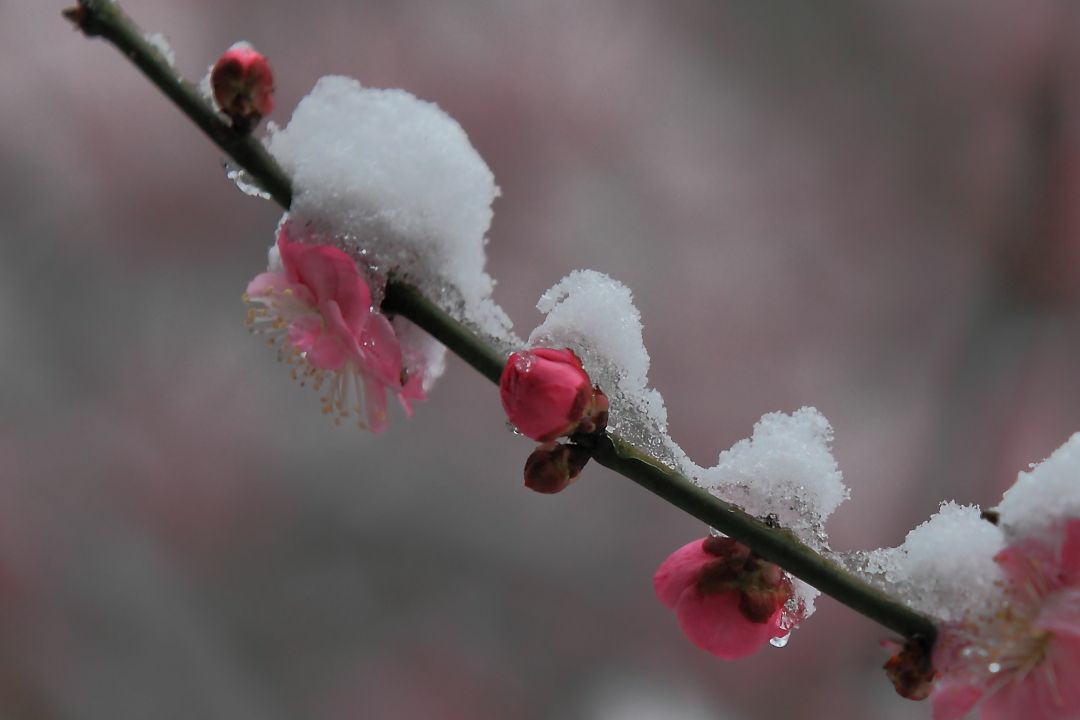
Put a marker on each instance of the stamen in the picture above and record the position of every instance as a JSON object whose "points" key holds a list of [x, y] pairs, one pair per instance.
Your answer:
{"points": [[341, 391]]}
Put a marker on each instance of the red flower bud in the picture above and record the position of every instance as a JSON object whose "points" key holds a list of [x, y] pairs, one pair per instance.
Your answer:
{"points": [[243, 86], [728, 600], [552, 467], [545, 392]]}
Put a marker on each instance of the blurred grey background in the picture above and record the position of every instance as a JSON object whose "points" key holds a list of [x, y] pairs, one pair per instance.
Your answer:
{"points": [[863, 206]]}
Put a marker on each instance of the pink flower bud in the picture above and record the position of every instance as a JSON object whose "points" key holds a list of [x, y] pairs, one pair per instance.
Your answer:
{"points": [[243, 86], [552, 467], [545, 392], [728, 600]]}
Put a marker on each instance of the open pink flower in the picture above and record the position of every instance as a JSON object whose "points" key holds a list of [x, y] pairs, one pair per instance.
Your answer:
{"points": [[316, 307], [547, 394], [728, 601], [1023, 661]]}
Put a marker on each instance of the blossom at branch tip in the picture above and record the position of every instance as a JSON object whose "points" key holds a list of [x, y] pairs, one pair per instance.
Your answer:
{"points": [[1023, 659], [546, 394], [728, 600], [243, 86], [317, 309]]}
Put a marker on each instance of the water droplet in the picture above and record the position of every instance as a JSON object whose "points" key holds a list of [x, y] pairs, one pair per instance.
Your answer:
{"points": [[716, 533], [994, 667], [245, 182], [511, 428], [779, 642]]}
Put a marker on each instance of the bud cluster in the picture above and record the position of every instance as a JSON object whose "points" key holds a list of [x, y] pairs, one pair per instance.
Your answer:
{"points": [[547, 394]]}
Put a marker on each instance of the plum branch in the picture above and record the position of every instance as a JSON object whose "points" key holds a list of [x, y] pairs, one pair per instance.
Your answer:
{"points": [[104, 18]]}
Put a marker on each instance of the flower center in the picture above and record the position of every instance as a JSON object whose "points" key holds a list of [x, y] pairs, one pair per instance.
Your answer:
{"points": [[272, 315]]}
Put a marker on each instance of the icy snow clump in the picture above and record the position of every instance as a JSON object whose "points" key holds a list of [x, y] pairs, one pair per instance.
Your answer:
{"points": [[595, 316], [396, 182], [945, 568], [1046, 496], [786, 470]]}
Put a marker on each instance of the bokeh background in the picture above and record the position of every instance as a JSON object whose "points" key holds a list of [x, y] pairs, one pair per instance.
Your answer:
{"points": [[866, 206]]}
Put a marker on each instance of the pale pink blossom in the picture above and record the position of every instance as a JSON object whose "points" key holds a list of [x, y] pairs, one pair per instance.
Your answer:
{"points": [[317, 309], [1023, 660], [728, 600]]}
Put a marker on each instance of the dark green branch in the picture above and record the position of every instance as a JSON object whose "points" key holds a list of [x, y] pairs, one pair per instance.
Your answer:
{"points": [[405, 300], [775, 544], [105, 19]]}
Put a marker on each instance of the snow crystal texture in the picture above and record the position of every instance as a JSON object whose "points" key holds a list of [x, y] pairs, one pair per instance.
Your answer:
{"points": [[396, 180], [595, 316], [786, 469], [1047, 495], [945, 567]]}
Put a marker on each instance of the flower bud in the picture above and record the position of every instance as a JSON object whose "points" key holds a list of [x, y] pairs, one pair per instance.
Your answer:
{"points": [[545, 392], [243, 86], [727, 599], [910, 669], [552, 467]]}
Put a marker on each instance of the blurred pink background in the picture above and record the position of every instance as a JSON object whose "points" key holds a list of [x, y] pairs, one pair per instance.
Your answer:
{"points": [[863, 206]]}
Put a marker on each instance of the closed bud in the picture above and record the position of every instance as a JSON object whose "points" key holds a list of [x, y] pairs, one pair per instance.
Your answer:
{"points": [[728, 600], [243, 86], [552, 467], [910, 669], [545, 392]]}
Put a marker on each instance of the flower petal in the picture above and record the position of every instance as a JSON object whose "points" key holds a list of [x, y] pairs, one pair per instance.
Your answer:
{"points": [[952, 702], [328, 353], [1070, 553], [304, 331], [1060, 614], [679, 572], [381, 351], [330, 274], [267, 283], [412, 390], [1047, 692], [716, 624]]}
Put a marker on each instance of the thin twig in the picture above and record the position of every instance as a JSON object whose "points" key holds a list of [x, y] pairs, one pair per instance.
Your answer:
{"points": [[105, 19]]}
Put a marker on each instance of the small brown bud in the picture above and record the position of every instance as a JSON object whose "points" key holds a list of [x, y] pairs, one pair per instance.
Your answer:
{"points": [[553, 466], [910, 670]]}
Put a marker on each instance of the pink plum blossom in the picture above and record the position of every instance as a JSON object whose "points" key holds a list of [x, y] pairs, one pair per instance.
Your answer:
{"points": [[1023, 660], [728, 601], [317, 309]]}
